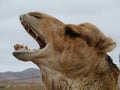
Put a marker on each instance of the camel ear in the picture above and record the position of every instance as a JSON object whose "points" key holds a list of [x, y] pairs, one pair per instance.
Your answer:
{"points": [[72, 30], [106, 45]]}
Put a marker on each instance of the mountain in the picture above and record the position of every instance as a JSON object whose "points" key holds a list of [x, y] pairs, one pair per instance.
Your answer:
{"points": [[25, 75]]}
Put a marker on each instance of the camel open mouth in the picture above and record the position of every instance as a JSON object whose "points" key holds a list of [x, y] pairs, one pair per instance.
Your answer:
{"points": [[39, 38]]}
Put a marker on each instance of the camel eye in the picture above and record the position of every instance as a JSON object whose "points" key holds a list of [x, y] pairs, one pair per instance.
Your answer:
{"points": [[71, 33], [36, 15]]}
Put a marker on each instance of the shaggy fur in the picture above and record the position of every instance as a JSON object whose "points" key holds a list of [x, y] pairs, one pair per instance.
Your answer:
{"points": [[74, 57]]}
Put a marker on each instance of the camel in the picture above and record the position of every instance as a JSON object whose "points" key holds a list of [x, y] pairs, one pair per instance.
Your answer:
{"points": [[70, 57]]}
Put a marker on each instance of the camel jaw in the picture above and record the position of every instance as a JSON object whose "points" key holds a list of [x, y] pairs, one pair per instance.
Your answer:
{"points": [[22, 52]]}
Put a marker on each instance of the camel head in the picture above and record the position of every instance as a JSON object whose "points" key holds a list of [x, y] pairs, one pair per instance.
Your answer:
{"points": [[69, 49]]}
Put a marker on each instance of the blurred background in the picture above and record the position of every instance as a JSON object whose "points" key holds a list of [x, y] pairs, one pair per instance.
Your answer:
{"points": [[105, 14]]}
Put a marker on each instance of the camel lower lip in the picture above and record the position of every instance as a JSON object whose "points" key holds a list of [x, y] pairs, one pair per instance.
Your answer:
{"points": [[24, 54]]}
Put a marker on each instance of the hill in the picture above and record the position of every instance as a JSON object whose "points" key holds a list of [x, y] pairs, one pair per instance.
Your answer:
{"points": [[25, 75]]}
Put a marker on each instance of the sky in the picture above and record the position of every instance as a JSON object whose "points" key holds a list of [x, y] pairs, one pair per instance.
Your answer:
{"points": [[105, 14]]}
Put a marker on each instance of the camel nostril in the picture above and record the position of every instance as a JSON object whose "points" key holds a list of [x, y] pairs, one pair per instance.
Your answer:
{"points": [[21, 17]]}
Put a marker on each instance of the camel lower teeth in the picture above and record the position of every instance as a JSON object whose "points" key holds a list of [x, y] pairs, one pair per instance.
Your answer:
{"points": [[20, 47]]}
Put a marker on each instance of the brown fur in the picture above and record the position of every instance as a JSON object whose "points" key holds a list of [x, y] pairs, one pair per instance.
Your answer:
{"points": [[76, 56]]}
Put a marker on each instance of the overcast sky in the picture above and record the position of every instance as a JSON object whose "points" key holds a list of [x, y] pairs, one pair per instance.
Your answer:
{"points": [[105, 14]]}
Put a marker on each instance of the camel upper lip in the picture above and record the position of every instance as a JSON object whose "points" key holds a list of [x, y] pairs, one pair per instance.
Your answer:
{"points": [[39, 38]]}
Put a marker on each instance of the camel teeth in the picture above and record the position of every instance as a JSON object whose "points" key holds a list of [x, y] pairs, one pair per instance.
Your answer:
{"points": [[26, 47], [34, 33], [28, 30], [36, 37]]}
